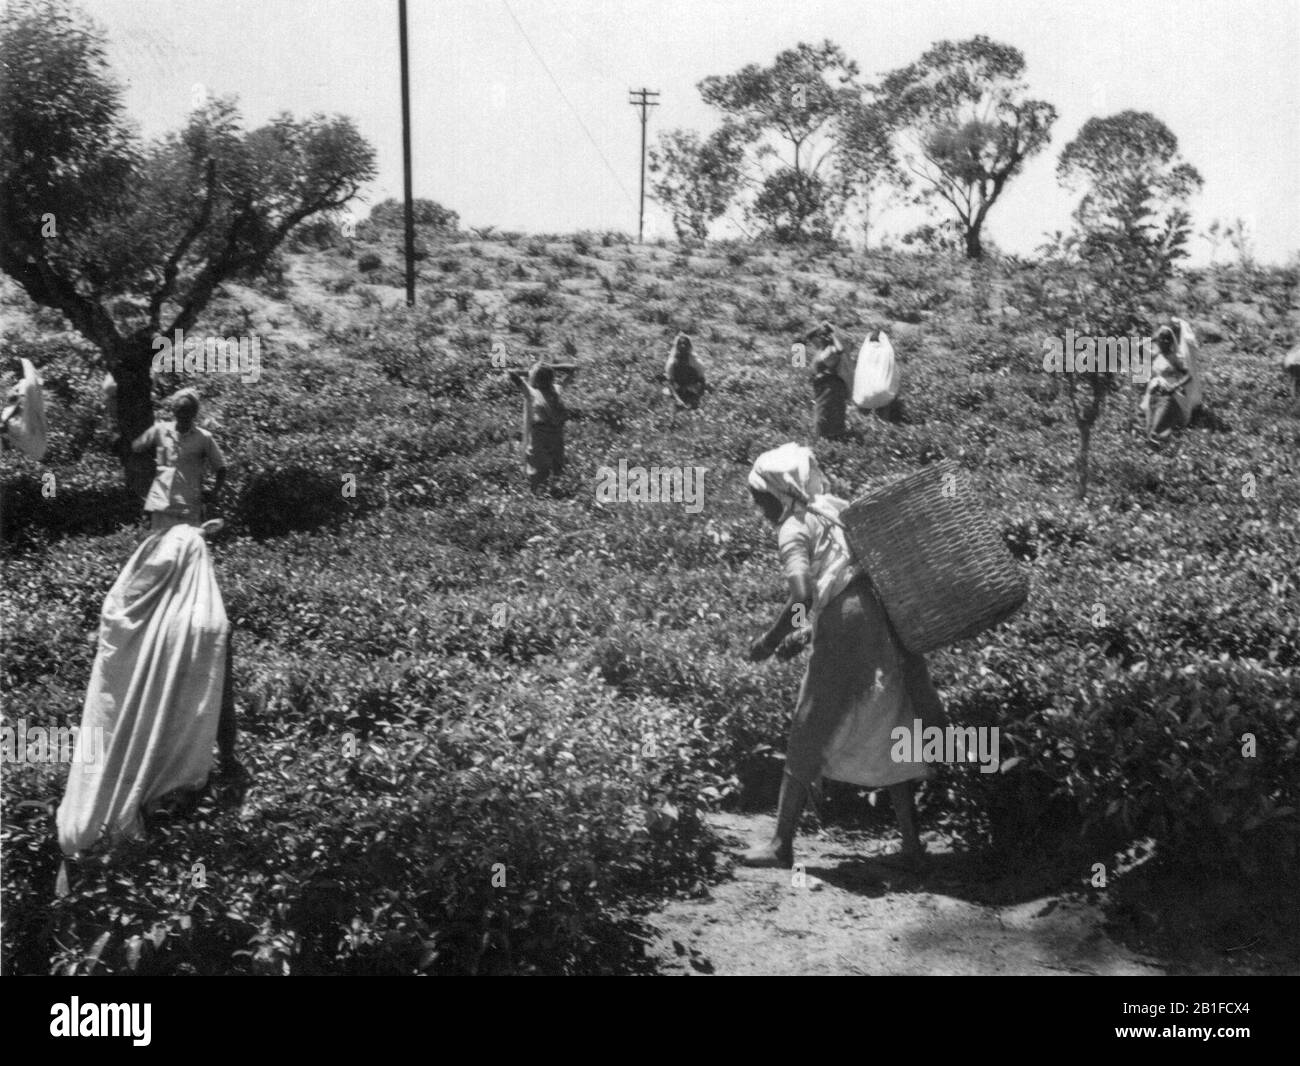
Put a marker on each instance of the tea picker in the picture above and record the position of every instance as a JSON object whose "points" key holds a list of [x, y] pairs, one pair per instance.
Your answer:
{"points": [[544, 418]]}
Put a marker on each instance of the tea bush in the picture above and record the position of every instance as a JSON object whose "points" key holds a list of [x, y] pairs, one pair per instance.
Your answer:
{"points": [[484, 726]]}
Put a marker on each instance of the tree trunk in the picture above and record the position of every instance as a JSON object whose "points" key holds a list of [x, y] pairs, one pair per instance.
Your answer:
{"points": [[974, 248], [131, 370]]}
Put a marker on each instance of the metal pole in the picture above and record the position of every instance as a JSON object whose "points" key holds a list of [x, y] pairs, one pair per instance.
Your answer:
{"points": [[640, 215], [406, 157], [644, 103]]}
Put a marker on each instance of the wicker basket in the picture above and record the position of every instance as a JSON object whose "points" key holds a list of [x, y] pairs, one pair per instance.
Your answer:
{"points": [[938, 565]]}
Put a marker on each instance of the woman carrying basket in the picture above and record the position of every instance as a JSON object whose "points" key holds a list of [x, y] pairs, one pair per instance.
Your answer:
{"points": [[860, 683]]}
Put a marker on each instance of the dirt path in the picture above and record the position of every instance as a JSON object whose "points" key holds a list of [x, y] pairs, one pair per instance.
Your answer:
{"points": [[851, 914]]}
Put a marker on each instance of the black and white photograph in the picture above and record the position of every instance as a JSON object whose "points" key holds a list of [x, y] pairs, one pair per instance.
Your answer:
{"points": [[664, 488]]}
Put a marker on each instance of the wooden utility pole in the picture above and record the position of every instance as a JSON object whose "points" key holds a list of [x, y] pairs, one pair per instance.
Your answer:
{"points": [[406, 157], [644, 103]]}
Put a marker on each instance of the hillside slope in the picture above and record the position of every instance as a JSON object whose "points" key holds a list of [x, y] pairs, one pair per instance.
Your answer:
{"points": [[440, 674]]}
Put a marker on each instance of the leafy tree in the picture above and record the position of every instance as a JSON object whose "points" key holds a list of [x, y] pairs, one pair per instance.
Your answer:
{"points": [[131, 241], [964, 126], [1215, 234], [1132, 225], [1070, 295], [790, 107], [941, 237], [1133, 180], [793, 206], [695, 179], [1132, 222], [1235, 234], [1243, 243], [864, 156], [1131, 229]]}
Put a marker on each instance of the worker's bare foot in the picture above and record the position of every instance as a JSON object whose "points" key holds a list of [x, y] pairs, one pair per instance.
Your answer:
{"points": [[911, 859], [229, 766], [768, 856], [175, 806], [231, 781]]}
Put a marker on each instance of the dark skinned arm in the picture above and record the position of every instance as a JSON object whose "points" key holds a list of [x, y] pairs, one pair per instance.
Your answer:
{"points": [[145, 441], [800, 603], [218, 484]]}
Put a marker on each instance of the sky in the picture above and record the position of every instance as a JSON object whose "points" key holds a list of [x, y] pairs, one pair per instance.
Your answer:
{"points": [[521, 120]]}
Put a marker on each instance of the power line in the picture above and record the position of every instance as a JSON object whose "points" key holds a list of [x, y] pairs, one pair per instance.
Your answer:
{"points": [[608, 166], [555, 18]]}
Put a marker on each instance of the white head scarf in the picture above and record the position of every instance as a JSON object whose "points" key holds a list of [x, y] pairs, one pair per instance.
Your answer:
{"points": [[791, 474], [1189, 355]]}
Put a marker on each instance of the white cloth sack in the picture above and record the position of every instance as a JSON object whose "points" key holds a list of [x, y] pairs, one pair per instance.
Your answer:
{"points": [[108, 387], [1189, 354], [24, 414], [877, 377], [1292, 358], [150, 717]]}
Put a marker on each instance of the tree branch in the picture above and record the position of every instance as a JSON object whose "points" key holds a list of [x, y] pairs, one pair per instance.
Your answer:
{"points": [[49, 288], [172, 267]]}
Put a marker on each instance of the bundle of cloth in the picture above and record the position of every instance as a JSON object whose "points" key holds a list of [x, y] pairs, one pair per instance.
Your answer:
{"points": [[108, 390], [152, 708], [23, 419], [878, 378], [684, 374], [1174, 391]]}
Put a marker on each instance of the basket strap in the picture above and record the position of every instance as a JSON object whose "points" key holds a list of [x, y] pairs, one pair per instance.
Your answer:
{"points": [[807, 502]]}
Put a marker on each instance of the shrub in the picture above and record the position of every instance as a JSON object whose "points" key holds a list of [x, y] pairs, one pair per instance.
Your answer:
{"points": [[539, 295], [392, 213], [319, 231], [591, 723]]}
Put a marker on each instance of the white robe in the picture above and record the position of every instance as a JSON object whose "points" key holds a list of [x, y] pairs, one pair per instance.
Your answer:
{"points": [[150, 717], [24, 414]]}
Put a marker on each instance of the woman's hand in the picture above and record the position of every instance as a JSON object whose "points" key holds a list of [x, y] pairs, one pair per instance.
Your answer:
{"points": [[793, 644], [760, 649]]}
